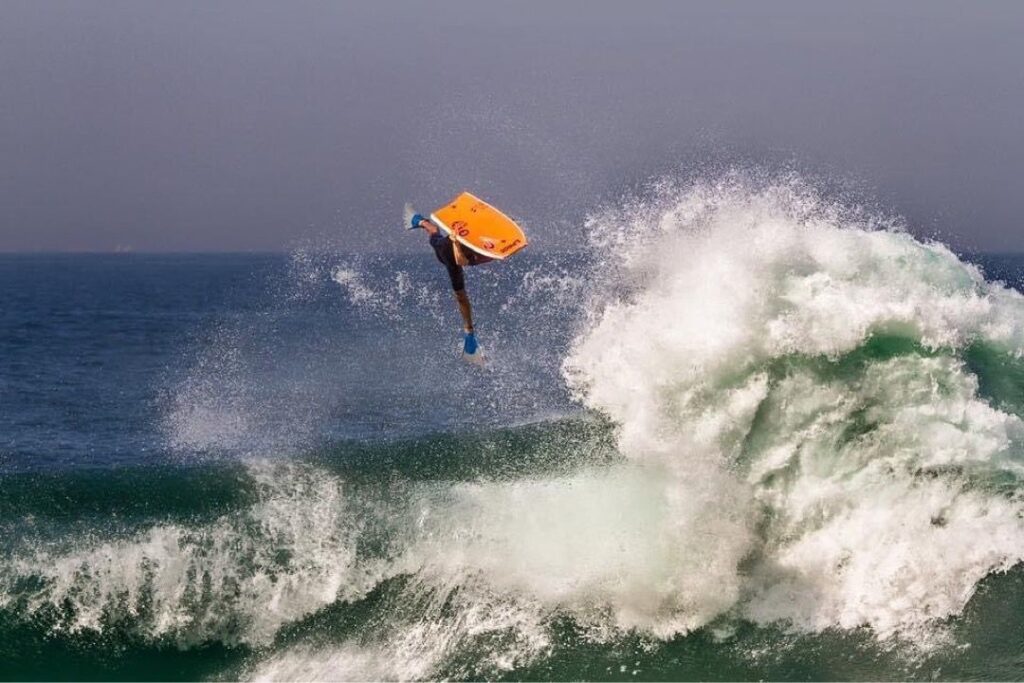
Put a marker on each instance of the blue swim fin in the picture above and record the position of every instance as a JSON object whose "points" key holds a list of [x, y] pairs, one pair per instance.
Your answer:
{"points": [[470, 344], [471, 350]]}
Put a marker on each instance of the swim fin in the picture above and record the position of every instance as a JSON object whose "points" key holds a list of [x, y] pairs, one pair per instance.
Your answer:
{"points": [[471, 350]]}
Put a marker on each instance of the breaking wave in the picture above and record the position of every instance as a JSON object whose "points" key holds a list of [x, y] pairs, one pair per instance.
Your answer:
{"points": [[797, 417], [823, 396]]}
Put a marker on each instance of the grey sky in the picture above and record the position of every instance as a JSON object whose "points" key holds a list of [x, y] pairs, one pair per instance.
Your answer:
{"points": [[241, 125]]}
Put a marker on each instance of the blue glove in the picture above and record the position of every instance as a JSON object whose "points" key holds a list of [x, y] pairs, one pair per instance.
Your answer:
{"points": [[416, 221], [470, 346]]}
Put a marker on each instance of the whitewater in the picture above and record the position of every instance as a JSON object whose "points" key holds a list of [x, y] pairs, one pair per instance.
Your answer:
{"points": [[753, 430]]}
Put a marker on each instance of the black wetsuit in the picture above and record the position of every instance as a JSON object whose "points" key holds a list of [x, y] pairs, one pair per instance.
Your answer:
{"points": [[442, 245]]}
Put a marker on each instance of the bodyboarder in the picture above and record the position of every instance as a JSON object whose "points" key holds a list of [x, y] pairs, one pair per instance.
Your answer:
{"points": [[454, 257]]}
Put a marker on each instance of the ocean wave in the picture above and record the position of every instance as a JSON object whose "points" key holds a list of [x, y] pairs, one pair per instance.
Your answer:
{"points": [[804, 373], [811, 422], [235, 579]]}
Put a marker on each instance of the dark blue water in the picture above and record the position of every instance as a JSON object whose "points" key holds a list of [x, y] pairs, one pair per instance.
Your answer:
{"points": [[93, 348], [96, 349], [90, 344]]}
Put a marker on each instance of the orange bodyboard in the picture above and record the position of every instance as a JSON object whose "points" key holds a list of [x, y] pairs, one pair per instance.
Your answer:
{"points": [[476, 224]]}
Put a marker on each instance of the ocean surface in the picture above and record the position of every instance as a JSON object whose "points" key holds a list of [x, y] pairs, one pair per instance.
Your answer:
{"points": [[745, 432]]}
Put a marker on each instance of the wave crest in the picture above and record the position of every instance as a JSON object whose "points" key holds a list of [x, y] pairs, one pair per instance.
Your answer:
{"points": [[805, 372]]}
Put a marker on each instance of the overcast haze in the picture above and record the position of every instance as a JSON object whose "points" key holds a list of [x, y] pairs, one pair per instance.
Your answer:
{"points": [[244, 126]]}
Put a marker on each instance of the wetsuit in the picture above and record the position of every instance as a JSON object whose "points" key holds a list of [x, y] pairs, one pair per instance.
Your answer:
{"points": [[445, 253]]}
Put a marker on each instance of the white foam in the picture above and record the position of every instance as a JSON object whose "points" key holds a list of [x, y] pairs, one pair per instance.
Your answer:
{"points": [[775, 469], [236, 579], [610, 543], [494, 562], [502, 633], [727, 281]]}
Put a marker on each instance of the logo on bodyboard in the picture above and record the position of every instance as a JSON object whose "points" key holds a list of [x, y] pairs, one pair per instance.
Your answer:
{"points": [[509, 247]]}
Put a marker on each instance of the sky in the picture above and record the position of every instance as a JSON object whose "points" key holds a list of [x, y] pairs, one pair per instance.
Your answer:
{"points": [[237, 126]]}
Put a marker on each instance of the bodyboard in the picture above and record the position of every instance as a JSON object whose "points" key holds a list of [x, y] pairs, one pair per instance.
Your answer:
{"points": [[479, 226]]}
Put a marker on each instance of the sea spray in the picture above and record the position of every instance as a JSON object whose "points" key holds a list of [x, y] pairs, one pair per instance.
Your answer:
{"points": [[815, 433], [235, 579], [804, 372]]}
